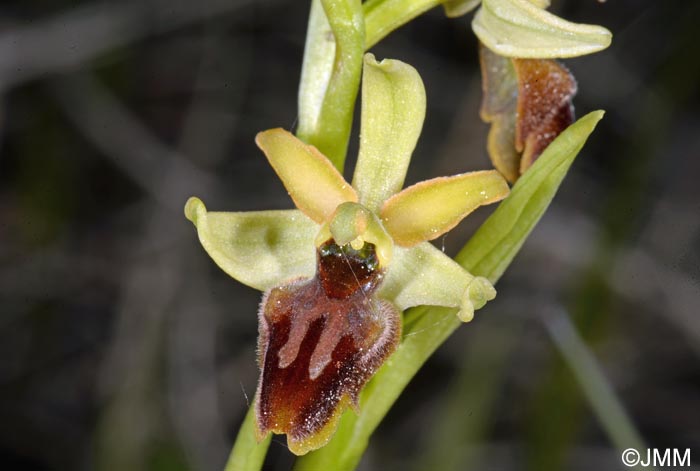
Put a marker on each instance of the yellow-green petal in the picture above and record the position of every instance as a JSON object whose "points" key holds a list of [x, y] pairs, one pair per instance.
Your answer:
{"points": [[393, 110], [314, 184], [518, 28], [261, 249], [423, 275], [430, 208]]}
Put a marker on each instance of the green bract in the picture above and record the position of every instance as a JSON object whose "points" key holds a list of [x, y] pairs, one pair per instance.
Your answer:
{"points": [[266, 249], [331, 75]]}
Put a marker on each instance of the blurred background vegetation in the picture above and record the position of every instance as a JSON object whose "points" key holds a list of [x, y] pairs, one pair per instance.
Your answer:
{"points": [[125, 348]]}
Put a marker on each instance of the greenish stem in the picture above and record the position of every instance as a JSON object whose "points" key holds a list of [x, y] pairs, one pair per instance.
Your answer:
{"points": [[247, 453], [384, 16], [327, 98]]}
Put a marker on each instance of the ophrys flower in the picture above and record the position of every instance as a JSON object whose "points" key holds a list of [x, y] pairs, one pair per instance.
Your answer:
{"points": [[338, 270]]}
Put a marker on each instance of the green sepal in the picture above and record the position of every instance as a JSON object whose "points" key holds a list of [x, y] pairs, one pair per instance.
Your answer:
{"points": [[393, 110], [261, 249], [456, 8], [519, 28], [423, 275]]}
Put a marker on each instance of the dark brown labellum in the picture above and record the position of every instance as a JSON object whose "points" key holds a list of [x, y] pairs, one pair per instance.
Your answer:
{"points": [[528, 102], [320, 341], [545, 90]]}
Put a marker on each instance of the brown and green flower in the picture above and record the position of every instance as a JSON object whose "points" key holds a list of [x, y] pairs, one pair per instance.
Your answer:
{"points": [[338, 271], [528, 103]]}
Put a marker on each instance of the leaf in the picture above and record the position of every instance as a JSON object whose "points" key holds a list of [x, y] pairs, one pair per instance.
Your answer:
{"points": [[430, 208], [518, 28], [260, 249], [311, 180], [499, 239], [393, 110]]}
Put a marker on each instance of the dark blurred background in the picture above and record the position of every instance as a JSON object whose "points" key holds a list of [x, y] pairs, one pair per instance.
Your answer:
{"points": [[122, 345]]}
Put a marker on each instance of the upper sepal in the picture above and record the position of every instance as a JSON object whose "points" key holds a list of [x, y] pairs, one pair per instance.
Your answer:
{"points": [[393, 110]]}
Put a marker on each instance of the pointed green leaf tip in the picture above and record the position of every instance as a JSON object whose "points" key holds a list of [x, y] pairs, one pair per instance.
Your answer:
{"points": [[261, 249], [498, 240], [518, 28]]}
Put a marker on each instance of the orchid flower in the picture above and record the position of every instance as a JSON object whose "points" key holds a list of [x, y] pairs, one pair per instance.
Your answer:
{"points": [[528, 103], [338, 270]]}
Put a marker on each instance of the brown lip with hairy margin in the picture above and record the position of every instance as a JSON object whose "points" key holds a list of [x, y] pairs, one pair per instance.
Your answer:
{"points": [[545, 90], [528, 103], [320, 341]]}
